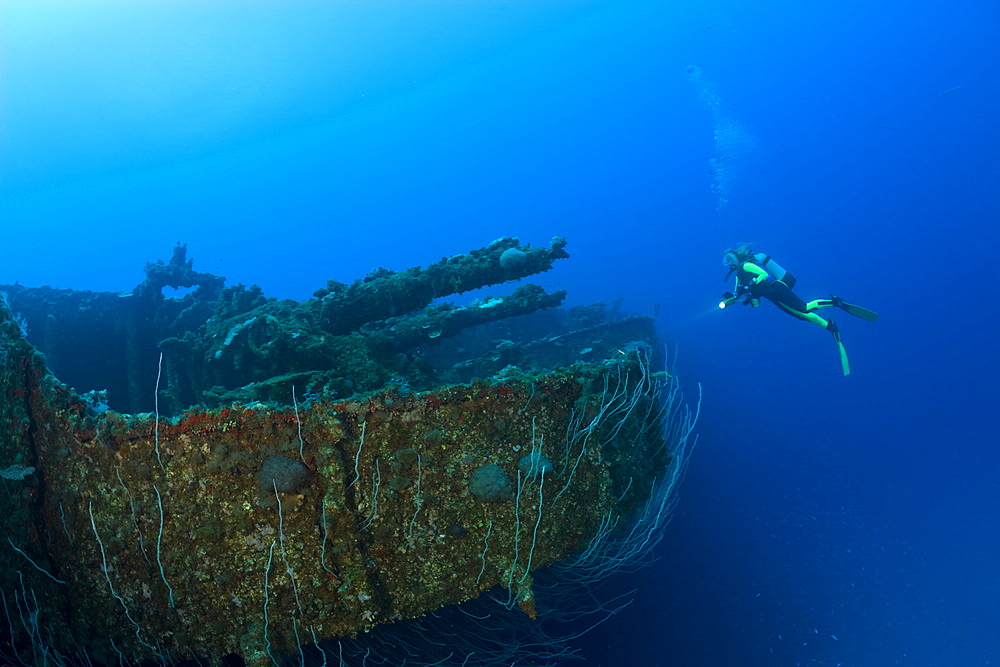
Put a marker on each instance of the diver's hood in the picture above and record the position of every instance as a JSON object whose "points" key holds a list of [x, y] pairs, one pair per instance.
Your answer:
{"points": [[732, 260]]}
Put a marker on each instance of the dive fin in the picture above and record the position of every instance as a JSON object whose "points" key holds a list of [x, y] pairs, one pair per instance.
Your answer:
{"points": [[844, 364], [857, 311], [843, 357]]}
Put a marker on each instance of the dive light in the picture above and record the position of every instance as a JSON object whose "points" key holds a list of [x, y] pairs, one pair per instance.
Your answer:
{"points": [[728, 299]]}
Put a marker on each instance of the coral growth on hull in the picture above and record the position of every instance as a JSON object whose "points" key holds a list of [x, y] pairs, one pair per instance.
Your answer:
{"points": [[285, 511]]}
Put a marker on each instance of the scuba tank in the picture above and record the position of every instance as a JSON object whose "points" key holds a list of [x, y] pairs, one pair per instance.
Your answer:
{"points": [[764, 261]]}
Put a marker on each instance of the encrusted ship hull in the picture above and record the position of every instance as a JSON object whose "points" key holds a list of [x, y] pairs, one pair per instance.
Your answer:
{"points": [[256, 527]]}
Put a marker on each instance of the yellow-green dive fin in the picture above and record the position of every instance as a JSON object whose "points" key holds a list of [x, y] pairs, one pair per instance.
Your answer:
{"points": [[843, 357], [831, 326], [857, 311]]}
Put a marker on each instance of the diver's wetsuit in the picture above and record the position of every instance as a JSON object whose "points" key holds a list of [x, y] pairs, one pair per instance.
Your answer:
{"points": [[753, 281], [760, 283]]}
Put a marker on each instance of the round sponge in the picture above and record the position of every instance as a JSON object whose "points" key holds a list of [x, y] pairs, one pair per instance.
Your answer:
{"points": [[490, 484]]}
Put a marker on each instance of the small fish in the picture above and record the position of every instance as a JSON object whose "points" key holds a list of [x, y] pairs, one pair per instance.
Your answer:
{"points": [[949, 91], [834, 638]]}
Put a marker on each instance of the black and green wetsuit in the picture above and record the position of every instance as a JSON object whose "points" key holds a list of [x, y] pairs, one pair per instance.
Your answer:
{"points": [[754, 279]]}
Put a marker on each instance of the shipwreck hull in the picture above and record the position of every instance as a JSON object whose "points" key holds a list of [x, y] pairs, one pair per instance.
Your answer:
{"points": [[252, 529], [259, 475]]}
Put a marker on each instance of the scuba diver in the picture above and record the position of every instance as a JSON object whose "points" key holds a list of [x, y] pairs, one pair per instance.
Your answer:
{"points": [[758, 275]]}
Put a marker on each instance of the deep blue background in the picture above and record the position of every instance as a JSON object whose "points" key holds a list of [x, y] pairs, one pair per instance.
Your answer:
{"points": [[842, 520]]}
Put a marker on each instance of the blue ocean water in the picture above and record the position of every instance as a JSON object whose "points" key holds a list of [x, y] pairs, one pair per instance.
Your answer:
{"points": [[824, 519]]}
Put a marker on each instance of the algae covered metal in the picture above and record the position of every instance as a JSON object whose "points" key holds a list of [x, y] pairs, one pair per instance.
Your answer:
{"points": [[288, 510]]}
